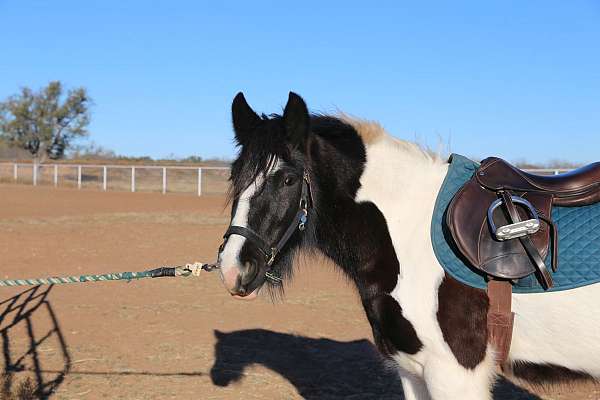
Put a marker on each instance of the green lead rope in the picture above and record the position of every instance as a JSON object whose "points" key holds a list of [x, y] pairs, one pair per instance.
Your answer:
{"points": [[166, 271]]}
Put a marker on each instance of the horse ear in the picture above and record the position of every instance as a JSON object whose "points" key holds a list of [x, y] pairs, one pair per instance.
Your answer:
{"points": [[296, 119], [244, 118]]}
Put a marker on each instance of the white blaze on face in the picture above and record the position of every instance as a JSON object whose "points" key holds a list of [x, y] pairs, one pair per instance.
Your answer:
{"points": [[229, 258]]}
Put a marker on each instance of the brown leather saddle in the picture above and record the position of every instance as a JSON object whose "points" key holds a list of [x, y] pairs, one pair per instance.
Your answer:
{"points": [[500, 221]]}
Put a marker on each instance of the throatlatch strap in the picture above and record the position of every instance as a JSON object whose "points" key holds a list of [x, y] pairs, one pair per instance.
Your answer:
{"points": [[500, 319]]}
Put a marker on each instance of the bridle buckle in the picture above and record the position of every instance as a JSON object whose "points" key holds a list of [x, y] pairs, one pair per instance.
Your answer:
{"points": [[273, 278], [271, 257], [303, 219]]}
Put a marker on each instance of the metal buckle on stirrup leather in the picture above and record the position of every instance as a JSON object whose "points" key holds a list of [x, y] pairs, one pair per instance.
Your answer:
{"points": [[517, 229]]}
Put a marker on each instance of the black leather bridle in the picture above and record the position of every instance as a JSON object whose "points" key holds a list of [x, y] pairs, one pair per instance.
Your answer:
{"points": [[270, 252]]}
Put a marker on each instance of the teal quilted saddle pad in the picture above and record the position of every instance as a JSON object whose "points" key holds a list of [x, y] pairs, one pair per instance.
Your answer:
{"points": [[578, 239]]}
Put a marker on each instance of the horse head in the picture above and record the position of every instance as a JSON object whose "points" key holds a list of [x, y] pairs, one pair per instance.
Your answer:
{"points": [[270, 195]]}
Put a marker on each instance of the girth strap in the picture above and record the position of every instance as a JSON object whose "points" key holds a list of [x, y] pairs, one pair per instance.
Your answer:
{"points": [[500, 318]]}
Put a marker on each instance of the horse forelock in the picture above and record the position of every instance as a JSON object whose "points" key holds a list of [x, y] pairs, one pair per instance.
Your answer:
{"points": [[269, 143], [258, 155]]}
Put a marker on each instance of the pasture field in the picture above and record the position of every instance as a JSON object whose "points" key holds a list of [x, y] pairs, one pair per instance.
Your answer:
{"points": [[173, 338]]}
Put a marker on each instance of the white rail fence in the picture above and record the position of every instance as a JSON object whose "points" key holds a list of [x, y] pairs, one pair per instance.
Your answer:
{"points": [[199, 180], [181, 179]]}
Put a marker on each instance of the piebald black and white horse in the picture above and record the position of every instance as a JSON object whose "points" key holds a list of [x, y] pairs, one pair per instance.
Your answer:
{"points": [[365, 199]]}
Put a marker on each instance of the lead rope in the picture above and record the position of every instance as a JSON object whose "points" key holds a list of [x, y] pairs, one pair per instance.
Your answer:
{"points": [[165, 271]]}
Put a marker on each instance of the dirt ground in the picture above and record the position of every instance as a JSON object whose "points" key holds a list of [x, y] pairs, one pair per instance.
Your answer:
{"points": [[173, 338]]}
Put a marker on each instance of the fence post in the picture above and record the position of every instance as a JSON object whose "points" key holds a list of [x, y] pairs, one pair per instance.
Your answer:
{"points": [[34, 174], [133, 179], [164, 188], [104, 178], [199, 181], [16, 171], [55, 175], [79, 177]]}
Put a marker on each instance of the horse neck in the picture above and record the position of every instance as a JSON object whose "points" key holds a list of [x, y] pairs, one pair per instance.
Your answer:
{"points": [[403, 181], [398, 188]]}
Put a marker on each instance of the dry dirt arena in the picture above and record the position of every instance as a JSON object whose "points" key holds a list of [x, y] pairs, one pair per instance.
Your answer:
{"points": [[172, 338]]}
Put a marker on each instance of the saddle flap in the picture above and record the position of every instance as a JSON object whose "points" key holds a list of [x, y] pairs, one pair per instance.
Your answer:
{"points": [[467, 221]]}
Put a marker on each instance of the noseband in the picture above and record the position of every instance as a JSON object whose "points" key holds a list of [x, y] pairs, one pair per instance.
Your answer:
{"points": [[270, 252]]}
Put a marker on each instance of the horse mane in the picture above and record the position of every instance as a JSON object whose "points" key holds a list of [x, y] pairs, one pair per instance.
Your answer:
{"points": [[372, 132], [260, 154]]}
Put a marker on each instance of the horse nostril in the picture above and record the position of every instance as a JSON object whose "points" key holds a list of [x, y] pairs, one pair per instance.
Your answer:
{"points": [[249, 265], [250, 272], [241, 291]]}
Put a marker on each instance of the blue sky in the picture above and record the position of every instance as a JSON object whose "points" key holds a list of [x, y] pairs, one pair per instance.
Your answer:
{"points": [[481, 76]]}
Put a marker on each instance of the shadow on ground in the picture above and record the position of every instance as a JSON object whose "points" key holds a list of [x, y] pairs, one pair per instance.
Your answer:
{"points": [[318, 368], [21, 313], [18, 314]]}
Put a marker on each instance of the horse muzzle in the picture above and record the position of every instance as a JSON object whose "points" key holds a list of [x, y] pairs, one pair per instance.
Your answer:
{"points": [[242, 283]]}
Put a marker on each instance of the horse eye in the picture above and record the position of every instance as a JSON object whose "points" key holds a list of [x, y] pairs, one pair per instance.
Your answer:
{"points": [[289, 181]]}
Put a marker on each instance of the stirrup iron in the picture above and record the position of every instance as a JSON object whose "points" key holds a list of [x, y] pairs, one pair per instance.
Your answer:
{"points": [[517, 229]]}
